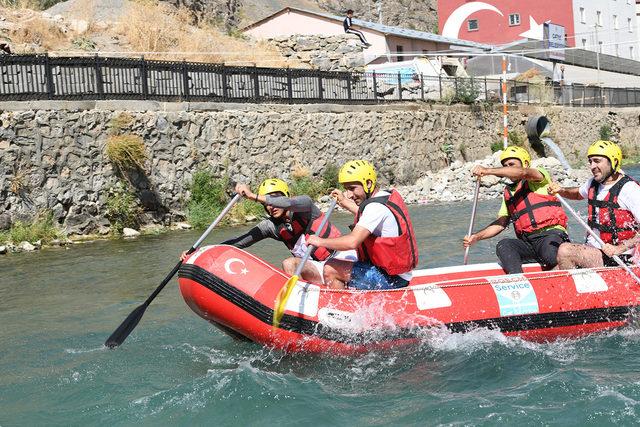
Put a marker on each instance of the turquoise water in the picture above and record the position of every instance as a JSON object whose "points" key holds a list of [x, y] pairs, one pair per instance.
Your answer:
{"points": [[58, 306]]}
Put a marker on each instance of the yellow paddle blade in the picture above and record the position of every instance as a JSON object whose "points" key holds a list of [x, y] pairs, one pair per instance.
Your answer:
{"points": [[281, 300]]}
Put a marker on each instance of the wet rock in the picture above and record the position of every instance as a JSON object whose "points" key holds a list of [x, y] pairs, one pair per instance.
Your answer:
{"points": [[3, 250], [26, 247], [130, 232], [5, 221], [183, 226]]}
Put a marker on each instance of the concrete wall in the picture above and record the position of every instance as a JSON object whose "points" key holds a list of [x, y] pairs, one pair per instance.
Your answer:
{"points": [[56, 149]]}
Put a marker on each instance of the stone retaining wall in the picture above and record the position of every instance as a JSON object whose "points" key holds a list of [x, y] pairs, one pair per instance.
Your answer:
{"points": [[327, 53], [53, 152]]}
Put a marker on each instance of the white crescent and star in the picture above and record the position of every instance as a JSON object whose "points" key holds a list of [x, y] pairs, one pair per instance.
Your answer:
{"points": [[228, 263], [454, 22]]}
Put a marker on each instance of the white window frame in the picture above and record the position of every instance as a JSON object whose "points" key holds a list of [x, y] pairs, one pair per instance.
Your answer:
{"points": [[584, 44], [630, 25], [469, 21], [616, 25], [631, 53], [515, 21], [599, 18], [583, 18]]}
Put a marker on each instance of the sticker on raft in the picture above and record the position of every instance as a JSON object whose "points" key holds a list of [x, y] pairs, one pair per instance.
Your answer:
{"points": [[431, 296], [588, 281], [515, 295], [304, 299]]}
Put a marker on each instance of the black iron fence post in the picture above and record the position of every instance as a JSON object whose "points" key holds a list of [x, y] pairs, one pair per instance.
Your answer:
{"points": [[144, 78], [289, 84], [320, 89], [185, 80], [375, 87], [48, 72], [256, 83], [422, 86], [225, 84], [349, 86], [440, 85], [99, 80], [455, 82], [399, 86]]}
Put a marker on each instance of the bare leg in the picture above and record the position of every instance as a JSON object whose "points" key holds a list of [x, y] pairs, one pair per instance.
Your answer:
{"points": [[337, 273], [309, 272], [571, 255]]}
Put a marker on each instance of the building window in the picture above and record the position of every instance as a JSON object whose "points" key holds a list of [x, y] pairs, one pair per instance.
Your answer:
{"points": [[399, 51], [514, 19], [584, 43], [617, 52], [599, 18], [615, 22], [583, 19], [472, 24], [631, 52], [600, 47], [630, 25]]}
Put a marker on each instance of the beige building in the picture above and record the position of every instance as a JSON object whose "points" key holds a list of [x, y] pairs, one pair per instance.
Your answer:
{"points": [[387, 43]]}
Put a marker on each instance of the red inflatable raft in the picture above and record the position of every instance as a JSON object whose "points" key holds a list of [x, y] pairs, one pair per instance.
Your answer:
{"points": [[234, 289]]}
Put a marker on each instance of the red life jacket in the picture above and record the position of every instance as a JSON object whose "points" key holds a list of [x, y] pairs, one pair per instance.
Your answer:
{"points": [[301, 224], [395, 255], [616, 225], [530, 211]]}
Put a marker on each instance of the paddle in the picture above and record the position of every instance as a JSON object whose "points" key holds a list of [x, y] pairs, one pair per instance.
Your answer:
{"points": [[129, 324], [473, 218], [597, 238], [285, 292]]}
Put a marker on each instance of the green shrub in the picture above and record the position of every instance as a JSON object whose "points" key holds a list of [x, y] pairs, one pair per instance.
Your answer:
{"points": [[516, 138], [467, 91], [126, 151], [208, 198], [40, 228], [497, 146], [122, 208], [307, 185], [606, 132], [330, 178]]}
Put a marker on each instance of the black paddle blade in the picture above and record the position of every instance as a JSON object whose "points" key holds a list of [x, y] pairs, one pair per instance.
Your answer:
{"points": [[125, 328]]}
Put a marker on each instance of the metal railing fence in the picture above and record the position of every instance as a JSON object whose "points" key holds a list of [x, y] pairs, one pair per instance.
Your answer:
{"points": [[25, 77]]}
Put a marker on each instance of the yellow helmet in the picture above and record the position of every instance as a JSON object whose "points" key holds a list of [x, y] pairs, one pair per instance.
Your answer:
{"points": [[358, 171], [515, 152], [273, 185], [609, 150]]}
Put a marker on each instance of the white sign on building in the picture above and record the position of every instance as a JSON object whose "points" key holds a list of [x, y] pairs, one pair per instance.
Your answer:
{"points": [[554, 40]]}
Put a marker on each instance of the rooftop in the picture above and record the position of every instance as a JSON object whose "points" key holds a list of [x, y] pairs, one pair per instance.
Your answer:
{"points": [[384, 29]]}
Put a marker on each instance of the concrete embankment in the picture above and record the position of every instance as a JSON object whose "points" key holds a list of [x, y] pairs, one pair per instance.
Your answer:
{"points": [[53, 152]]}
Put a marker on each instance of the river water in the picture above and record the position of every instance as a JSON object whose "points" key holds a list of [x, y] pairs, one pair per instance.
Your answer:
{"points": [[58, 306]]}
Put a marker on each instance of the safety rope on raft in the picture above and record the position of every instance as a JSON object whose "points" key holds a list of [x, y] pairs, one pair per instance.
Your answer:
{"points": [[454, 283]]}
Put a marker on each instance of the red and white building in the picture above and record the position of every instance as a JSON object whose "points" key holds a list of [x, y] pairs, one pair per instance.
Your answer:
{"points": [[607, 26]]}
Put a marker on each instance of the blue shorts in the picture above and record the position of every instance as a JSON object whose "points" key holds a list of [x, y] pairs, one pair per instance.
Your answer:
{"points": [[366, 276]]}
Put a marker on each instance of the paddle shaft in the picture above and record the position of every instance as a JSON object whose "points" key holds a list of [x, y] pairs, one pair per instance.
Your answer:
{"points": [[127, 326], [194, 247], [597, 238], [473, 218], [285, 292], [310, 248]]}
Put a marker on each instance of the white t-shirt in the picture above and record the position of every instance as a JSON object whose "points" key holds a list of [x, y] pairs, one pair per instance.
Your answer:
{"points": [[628, 199], [379, 220]]}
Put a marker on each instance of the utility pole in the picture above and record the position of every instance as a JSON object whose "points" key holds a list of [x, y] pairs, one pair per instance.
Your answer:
{"points": [[597, 53]]}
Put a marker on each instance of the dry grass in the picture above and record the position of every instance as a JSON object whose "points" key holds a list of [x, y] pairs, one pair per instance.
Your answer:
{"points": [[126, 151], [39, 32], [21, 4], [169, 33], [300, 171]]}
